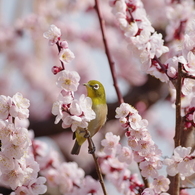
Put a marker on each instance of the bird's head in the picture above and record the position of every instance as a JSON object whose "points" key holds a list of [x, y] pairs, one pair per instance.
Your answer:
{"points": [[95, 90]]}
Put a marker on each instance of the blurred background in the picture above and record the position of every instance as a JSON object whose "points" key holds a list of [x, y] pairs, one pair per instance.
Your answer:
{"points": [[26, 60]]}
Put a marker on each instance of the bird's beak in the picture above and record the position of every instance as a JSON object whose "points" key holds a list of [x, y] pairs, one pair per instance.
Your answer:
{"points": [[86, 85]]}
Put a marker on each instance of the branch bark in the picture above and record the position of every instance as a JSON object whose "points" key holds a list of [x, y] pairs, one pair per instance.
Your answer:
{"points": [[175, 181]]}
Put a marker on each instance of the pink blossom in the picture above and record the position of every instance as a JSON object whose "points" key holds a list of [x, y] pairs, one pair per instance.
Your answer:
{"points": [[68, 80], [14, 177], [77, 121], [173, 65], [188, 87], [5, 103], [19, 106], [161, 184], [6, 162], [75, 108], [125, 155], [171, 166], [124, 110], [14, 151], [181, 162], [69, 174], [66, 55], [136, 122], [86, 107], [190, 66], [110, 143], [129, 28], [53, 34], [20, 137], [148, 169], [57, 110], [90, 186], [111, 166], [64, 99], [119, 6], [52, 176], [63, 44], [148, 191], [37, 186]]}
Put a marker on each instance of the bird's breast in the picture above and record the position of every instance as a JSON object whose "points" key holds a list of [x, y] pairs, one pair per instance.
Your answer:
{"points": [[101, 116]]}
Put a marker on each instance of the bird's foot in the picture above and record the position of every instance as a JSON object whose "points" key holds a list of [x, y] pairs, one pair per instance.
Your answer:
{"points": [[87, 134], [91, 150]]}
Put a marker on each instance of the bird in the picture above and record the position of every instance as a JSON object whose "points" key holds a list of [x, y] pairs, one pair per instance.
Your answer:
{"points": [[96, 91]]}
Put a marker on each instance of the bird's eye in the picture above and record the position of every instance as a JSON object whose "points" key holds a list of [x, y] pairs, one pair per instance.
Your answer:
{"points": [[96, 86]]}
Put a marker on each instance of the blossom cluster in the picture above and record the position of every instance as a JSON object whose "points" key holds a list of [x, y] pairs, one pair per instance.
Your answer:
{"points": [[114, 161], [65, 54], [139, 33], [132, 20], [67, 177], [146, 152], [19, 170], [182, 162], [74, 113]]}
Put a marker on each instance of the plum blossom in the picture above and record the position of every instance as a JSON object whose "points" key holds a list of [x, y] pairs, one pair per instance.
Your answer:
{"points": [[125, 155], [188, 87], [74, 113], [190, 66], [53, 34], [90, 185], [149, 169], [129, 28], [66, 55], [148, 191], [181, 162], [18, 166], [68, 177], [129, 117], [5, 104], [161, 184], [124, 110], [110, 143], [6, 163], [119, 7], [172, 64], [137, 28], [68, 80], [19, 106]]}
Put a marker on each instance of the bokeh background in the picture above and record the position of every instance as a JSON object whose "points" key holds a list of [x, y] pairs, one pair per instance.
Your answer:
{"points": [[26, 60]]}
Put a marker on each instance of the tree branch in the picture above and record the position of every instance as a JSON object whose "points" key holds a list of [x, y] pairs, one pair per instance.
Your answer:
{"points": [[175, 181], [107, 51], [91, 148]]}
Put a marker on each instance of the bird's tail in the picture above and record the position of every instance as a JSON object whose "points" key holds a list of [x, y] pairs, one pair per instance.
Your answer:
{"points": [[76, 148]]}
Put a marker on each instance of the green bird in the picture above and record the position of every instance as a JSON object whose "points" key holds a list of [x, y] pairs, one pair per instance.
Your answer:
{"points": [[95, 90]]}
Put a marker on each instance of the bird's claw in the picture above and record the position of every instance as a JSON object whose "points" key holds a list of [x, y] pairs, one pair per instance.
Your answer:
{"points": [[91, 150], [87, 134]]}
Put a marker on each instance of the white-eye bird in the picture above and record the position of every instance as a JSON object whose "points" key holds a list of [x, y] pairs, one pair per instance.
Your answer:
{"points": [[95, 90]]}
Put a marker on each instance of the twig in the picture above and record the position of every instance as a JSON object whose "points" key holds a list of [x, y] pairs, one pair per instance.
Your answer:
{"points": [[59, 49], [111, 63], [92, 152], [178, 129], [107, 51], [186, 75], [146, 182]]}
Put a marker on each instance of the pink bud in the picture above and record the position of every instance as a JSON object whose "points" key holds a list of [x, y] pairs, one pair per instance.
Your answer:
{"points": [[64, 44], [56, 69]]}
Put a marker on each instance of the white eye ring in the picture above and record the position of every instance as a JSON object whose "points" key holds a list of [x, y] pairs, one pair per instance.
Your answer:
{"points": [[96, 86]]}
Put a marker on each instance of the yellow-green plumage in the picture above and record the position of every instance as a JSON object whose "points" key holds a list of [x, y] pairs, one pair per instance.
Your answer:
{"points": [[95, 90]]}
